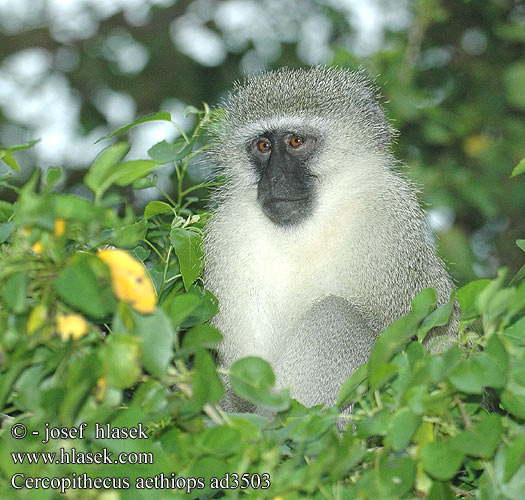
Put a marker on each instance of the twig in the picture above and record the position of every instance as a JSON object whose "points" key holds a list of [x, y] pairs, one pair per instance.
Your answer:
{"points": [[461, 406], [461, 492]]}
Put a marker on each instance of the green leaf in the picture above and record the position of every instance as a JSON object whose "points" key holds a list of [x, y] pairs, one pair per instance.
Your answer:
{"points": [[29, 391], [467, 296], [391, 479], [438, 317], [163, 152], [141, 253], [201, 336], [80, 379], [486, 296], [513, 78], [520, 274], [514, 456], [516, 330], [34, 210], [519, 168], [402, 427], [52, 177], [312, 428], [347, 392], [441, 491], [207, 385], [521, 243], [468, 376], [494, 363], [245, 427], [514, 403], [6, 211], [10, 160], [416, 397], [157, 334], [14, 149], [156, 208], [517, 304], [383, 374], [6, 154], [498, 304], [187, 246], [441, 365], [513, 397], [159, 116], [128, 172], [441, 460], [98, 179], [14, 292], [396, 336], [398, 475], [211, 470], [191, 308], [252, 378], [513, 490], [482, 440], [78, 286], [6, 229], [219, 441], [150, 396], [144, 183], [121, 356], [128, 236], [375, 425], [423, 303], [9, 377], [72, 207], [190, 110], [180, 306]]}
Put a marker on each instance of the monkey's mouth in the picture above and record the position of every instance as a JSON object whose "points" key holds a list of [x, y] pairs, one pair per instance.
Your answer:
{"points": [[287, 211], [289, 200]]}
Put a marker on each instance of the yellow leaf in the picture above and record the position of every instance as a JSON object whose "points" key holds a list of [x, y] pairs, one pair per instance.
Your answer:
{"points": [[424, 433], [36, 318], [474, 145], [129, 280], [60, 227], [71, 325], [423, 482], [101, 388], [37, 247]]}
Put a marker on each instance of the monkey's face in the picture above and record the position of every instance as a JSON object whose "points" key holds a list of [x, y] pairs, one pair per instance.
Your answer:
{"points": [[286, 187]]}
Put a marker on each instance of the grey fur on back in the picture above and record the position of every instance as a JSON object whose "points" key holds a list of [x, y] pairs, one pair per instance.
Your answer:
{"points": [[356, 262]]}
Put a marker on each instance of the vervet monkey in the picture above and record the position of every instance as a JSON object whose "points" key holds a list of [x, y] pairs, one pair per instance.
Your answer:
{"points": [[318, 243]]}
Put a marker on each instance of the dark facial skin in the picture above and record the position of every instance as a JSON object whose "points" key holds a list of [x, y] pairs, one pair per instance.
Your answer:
{"points": [[286, 186]]}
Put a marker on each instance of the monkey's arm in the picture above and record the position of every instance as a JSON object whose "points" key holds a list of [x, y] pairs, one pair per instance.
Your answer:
{"points": [[327, 344]]}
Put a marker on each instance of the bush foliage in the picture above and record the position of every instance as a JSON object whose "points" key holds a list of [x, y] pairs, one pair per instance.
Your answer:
{"points": [[84, 339]]}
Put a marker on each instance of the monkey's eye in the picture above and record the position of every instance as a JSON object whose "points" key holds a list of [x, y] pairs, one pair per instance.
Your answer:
{"points": [[296, 141], [263, 145]]}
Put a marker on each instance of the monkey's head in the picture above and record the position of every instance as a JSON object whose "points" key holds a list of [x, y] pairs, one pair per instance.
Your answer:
{"points": [[287, 132]]}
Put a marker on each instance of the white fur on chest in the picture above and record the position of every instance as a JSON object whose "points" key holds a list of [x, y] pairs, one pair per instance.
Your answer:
{"points": [[269, 284], [265, 277]]}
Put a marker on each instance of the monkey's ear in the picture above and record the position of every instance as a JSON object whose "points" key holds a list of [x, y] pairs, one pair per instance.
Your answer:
{"points": [[383, 133], [386, 134]]}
